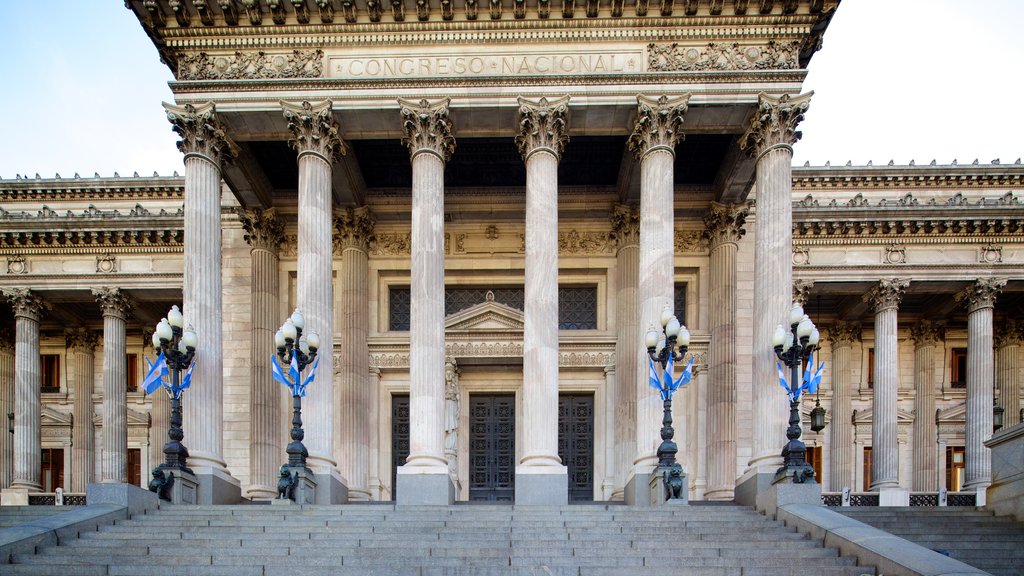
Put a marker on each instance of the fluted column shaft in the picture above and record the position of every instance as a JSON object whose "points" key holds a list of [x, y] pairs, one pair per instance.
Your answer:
{"points": [[27, 383], [160, 409], [114, 464], [885, 468], [264, 232], [626, 227], [6, 407], [770, 138], [82, 345], [1009, 369], [980, 300], [925, 450], [841, 456], [355, 230]]}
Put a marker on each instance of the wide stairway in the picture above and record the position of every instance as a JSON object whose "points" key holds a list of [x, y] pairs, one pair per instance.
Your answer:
{"points": [[723, 540], [16, 515], [973, 536]]}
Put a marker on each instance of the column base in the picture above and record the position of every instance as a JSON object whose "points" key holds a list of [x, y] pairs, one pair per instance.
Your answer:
{"points": [[424, 486], [751, 485], [14, 497], [260, 492], [659, 489], [784, 492], [542, 485], [216, 486], [331, 487], [637, 491], [136, 500], [893, 497]]}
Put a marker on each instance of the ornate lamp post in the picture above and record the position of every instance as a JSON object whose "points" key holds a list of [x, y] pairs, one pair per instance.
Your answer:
{"points": [[295, 354], [793, 348], [176, 350], [666, 349]]}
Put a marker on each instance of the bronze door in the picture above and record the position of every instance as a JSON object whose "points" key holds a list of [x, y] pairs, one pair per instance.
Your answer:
{"points": [[399, 437], [492, 447], [576, 443]]}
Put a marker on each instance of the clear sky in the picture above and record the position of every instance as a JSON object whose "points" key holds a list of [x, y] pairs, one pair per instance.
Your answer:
{"points": [[81, 86]]}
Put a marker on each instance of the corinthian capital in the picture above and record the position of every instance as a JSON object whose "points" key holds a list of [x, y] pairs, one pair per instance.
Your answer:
{"points": [[355, 228], [81, 338], [201, 132], [724, 223], [981, 294], [113, 302], [843, 333], [26, 304], [314, 129], [887, 294], [927, 333], [427, 128], [625, 225], [802, 291], [542, 126], [659, 125], [1009, 332], [774, 123], [263, 228]]}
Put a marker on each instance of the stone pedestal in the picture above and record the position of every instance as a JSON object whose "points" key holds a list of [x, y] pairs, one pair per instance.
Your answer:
{"points": [[216, 485], [1005, 496], [784, 492], [658, 492], [426, 486], [305, 488], [184, 487], [894, 497], [14, 497]]}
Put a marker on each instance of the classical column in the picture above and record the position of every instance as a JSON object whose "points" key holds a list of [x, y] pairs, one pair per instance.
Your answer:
{"points": [[657, 130], [318, 143], [115, 306], [927, 336], [354, 229], [885, 469], [28, 373], [980, 299], [626, 229], [264, 232], [81, 345], [724, 228], [6, 407], [160, 409], [543, 134], [205, 147], [428, 135], [1009, 369], [770, 138], [845, 365]]}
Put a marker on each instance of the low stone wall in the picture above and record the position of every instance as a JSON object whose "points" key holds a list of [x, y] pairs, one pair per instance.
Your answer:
{"points": [[1006, 493]]}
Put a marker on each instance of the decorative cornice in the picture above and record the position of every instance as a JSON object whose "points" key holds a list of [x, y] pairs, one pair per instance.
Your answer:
{"points": [[724, 223], [912, 176], [887, 294], [1009, 332], [774, 123], [427, 128], [772, 55], [264, 230], [81, 339], [802, 291], [927, 333], [26, 303], [843, 333], [201, 132], [113, 302], [542, 126], [625, 225], [258, 65], [658, 126], [354, 229], [36, 237], [314, 129], [981, 294], [96, 188]]}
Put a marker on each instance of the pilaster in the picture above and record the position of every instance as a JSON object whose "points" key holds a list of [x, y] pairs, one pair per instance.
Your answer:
{"points": [[927, 336], [626, 230], [264, 231], [28, 309], [115, 306], [81, 346]]}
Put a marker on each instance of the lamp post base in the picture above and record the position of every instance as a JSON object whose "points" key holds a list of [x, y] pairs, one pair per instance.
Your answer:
{"points": [[669, 486]]}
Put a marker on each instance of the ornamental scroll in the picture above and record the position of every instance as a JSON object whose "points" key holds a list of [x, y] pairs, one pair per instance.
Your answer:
{"points": [[721, 56], [251, 65]]}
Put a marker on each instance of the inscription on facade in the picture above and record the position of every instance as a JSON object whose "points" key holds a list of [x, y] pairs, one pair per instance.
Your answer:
{"points": [[497, 64]]}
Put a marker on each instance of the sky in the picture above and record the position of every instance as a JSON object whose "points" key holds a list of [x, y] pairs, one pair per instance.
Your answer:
{"points": [[81, 86]]}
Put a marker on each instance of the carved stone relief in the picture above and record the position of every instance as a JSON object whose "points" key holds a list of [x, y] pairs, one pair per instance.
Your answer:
{"points": [[251, 65], [723, 56]]}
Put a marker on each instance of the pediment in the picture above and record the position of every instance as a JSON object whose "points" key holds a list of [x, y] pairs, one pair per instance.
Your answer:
{"points": [[865, 416], [956, 413], [488, 316], [135, 418], [51, 417]]}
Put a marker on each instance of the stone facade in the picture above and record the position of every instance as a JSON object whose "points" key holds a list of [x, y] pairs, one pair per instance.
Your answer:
{"points": [[530, 169]]}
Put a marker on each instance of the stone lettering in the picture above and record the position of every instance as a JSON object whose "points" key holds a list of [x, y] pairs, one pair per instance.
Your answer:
{"points": [[491, 65]]}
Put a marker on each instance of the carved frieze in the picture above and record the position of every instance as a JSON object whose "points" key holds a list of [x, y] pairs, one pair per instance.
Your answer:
{"points": [[257, 65], [106, 264], [990, 254], [625, 225], [574, 242], [427, 128], [690, 241], [354, 228], [774, 122], [89, 240], [263, 228], [391, 244], [570, 359], [981, 294], [542, 126], [724, 223], [16, 264], [659, 124], [887, 294], [723, 56], [896, 253], [314, 129], [201, 132]]}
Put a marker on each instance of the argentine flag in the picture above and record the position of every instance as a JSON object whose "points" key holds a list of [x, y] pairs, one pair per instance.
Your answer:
{"points": [[156, 374]]}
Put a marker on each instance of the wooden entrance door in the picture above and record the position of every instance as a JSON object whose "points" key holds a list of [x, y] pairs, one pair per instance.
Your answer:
{"points": [[492, 447]]}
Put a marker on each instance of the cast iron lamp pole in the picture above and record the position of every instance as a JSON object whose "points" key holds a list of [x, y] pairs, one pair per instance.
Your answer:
{"points": [[793, 348], [671, 343], [179, 349], [304, 353]]}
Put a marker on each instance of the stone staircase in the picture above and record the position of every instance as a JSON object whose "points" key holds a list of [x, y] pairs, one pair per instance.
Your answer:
{"points": [[486, 540], [17, 515], [970, 535]]}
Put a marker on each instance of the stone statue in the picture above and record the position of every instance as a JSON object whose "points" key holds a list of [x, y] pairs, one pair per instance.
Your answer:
{"points": [[451, 417], [674, 482], [286, 484]]}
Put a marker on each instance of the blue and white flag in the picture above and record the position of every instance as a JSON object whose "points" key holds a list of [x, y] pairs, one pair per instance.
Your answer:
{"points": [[311, 376], [808, 371], [668, 384], [815, 379], [782, 381], [186, 381], [155, 375], [277, 373]]}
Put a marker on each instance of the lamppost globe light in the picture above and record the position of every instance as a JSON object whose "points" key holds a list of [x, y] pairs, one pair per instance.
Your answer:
{"points": [[174, 317], [796, 314], [651, 340], [298, 319], [190, 338], [313, 339], [684, 336], [181, 346], [164, 330], [290, 330], [804, 328], [279, 338], [779, 337], [788, 343], [304, 346], [666, 315], [660, 346], [156, 341], [673, 327], [814, 337]]}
